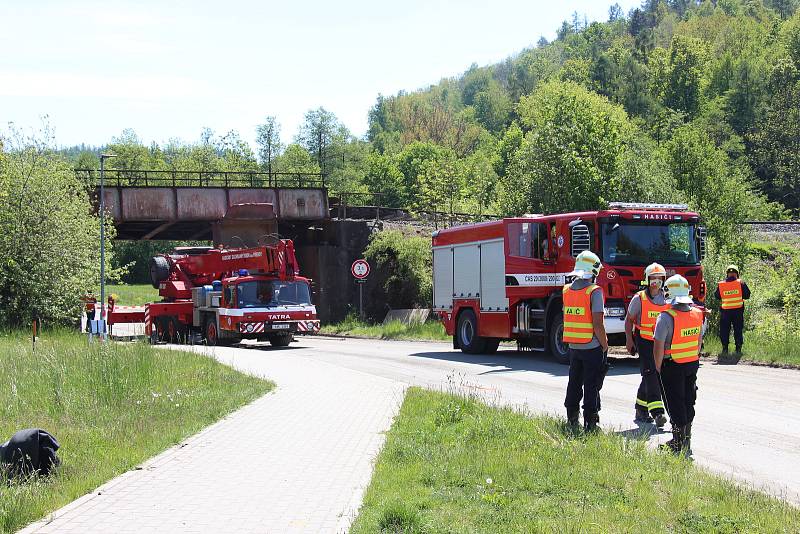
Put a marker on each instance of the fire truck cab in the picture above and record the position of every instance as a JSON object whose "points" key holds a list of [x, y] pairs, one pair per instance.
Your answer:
{"points": [[502, 280]]}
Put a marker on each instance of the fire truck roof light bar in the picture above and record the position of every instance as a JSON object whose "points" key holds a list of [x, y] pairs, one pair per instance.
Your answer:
{"points": [[644, 206]]}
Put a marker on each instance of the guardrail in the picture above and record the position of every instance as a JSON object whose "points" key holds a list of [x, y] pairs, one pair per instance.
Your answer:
{"points": [[150, 178]]}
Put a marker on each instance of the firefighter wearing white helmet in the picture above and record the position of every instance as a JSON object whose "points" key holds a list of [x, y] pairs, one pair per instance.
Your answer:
{"points": [[640, 324], [678, 338], [584, 331]]}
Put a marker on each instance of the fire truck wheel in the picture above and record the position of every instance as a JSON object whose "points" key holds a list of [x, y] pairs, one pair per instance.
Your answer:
{"points": [[210, 332], [175, 331], [159, 270], [280, 340], [558, 348], [159, 329], [467, 332]]}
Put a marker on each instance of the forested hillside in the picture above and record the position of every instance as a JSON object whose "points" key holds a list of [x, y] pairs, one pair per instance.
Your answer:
{"points": [[677, 100]]}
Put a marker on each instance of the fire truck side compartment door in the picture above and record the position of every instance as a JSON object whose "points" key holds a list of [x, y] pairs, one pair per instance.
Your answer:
{"points": [[443, 278], [466, 271], [493, 277]]}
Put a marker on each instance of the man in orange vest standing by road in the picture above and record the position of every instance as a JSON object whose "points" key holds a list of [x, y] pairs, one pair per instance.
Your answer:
{"points": [[585, 332], [643, 311], [732, 293], [676, 349]]}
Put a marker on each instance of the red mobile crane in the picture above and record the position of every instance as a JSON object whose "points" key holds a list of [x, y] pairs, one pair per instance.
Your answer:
{"points": [[502, 279], [225, 296]]}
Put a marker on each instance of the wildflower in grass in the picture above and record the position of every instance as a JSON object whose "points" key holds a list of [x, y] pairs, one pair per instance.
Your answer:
{"points": [[489, 481]]}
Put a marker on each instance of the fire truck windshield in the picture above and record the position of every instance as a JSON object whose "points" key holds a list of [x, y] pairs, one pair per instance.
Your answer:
{"points": [[265, 293], [641, 243]]}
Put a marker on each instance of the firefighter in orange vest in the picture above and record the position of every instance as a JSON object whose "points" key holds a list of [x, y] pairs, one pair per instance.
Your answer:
{"points": [[89, 304], [732, 293], [678, 337], [585, 333], [643, 311]]}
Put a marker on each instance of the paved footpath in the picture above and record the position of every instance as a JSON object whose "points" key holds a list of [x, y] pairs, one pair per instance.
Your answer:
{"points": [[295, 460]]}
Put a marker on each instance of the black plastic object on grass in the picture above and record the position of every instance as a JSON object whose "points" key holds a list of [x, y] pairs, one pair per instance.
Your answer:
{"points": [[29, 452]]}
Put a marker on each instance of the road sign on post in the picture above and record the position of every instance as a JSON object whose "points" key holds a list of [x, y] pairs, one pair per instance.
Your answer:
{"points": [[360, 270]]}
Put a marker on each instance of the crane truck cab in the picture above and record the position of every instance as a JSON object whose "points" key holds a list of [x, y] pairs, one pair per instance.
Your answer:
{"points": [[502, 280]]}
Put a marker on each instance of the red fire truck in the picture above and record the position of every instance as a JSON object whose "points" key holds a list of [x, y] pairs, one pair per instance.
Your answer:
{"points": [[502, 280], [224, 296]]}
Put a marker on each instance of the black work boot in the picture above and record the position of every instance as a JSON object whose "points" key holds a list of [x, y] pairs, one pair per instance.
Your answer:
{"points": [[680, 442], [724, 351], [572, 416], [738, 352], [660, 420], [642, 416], [590, 421]]}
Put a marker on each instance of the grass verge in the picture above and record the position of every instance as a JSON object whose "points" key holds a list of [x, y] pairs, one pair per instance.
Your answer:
{"points": [[428, 331], [780, 348], [453, 464], [111, 407], [133, 295]]}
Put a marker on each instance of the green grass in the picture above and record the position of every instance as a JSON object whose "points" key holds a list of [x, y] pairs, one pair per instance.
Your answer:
{"points": [[111, 407], [777, 348], [452, 464], [133, 295], [428, 331]]}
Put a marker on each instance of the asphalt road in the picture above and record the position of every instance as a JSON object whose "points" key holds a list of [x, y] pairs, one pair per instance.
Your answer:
{"points": [[748, 418]]}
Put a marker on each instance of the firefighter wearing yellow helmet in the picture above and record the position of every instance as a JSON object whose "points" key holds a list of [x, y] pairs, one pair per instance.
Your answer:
{"points": [[676, 349], [640, 324], [732, 292], [584, 332]]}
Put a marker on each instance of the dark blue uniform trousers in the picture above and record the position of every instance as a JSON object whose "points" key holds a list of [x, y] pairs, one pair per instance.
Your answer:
{"points": [[585, 368]]}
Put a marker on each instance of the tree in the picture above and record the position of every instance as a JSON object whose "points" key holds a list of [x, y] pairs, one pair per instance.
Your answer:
{"points": [[383, 176], [268, 139], [318, 134], [571, 157], [615, 13], [442, 186], [784, 8], [413, 162], [492, 107], [776, 139], [49, 235], [237, 155], [716, 189], [687, 78]]}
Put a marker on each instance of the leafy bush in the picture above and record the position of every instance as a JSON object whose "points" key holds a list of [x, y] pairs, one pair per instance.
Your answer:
{"points": [[49, 234], [405, 263]]}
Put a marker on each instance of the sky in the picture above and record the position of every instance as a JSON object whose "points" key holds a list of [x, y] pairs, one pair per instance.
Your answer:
{"points": [[167, 69]]}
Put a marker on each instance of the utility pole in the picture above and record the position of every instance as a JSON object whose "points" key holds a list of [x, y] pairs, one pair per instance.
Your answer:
{"points": [[103, 158]]}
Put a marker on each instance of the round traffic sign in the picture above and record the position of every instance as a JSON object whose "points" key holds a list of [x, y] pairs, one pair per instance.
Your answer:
{"points": [[360, 269]]}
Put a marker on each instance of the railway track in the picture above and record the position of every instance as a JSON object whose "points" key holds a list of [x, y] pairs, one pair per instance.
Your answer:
{"points": [[775, 227]]}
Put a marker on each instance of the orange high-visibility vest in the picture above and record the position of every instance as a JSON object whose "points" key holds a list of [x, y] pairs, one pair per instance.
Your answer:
{"points": [[686, 331], [578, 326], [647, 319], [731, 294]]}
